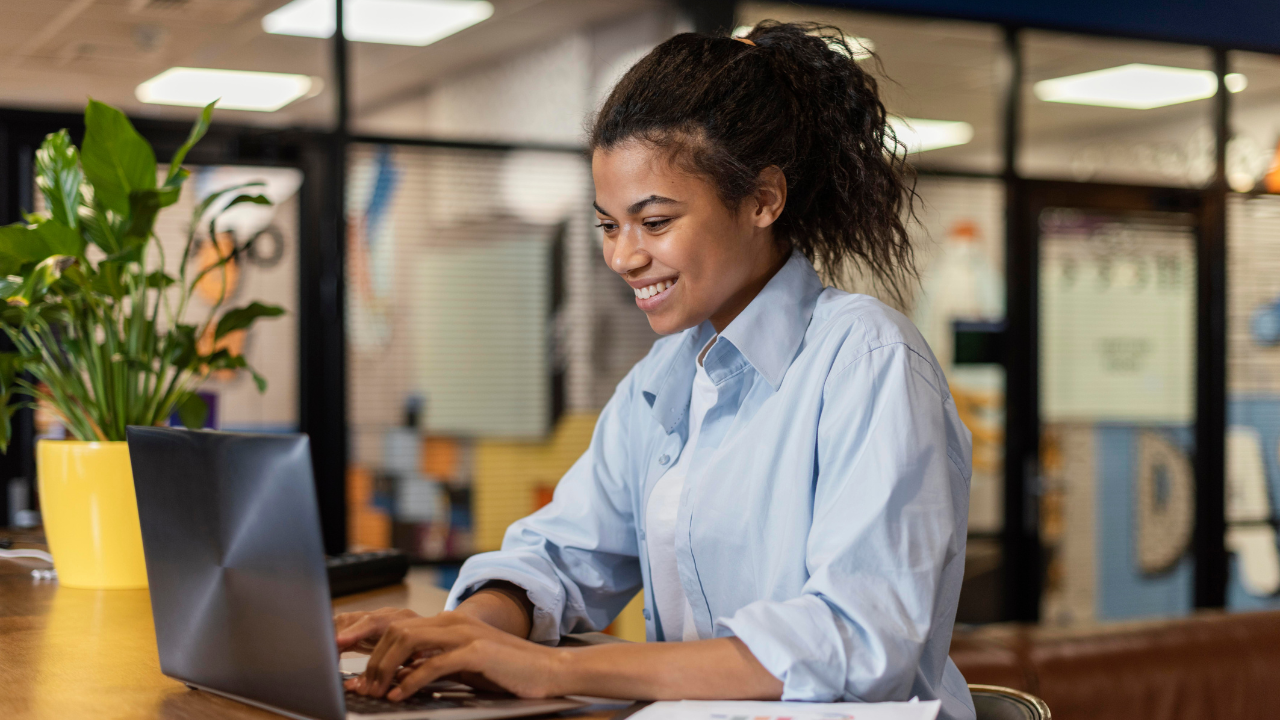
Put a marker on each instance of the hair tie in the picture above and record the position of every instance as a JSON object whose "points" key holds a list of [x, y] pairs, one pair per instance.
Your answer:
{"points": [[745, 41]]}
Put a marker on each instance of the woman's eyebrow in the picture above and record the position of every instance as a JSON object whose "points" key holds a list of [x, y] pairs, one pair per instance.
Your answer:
{"points": [[639, 205], [651, 200]]}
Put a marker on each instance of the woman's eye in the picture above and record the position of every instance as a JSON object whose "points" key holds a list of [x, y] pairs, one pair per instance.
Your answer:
{"points": [[656, 224], [607, 226]]}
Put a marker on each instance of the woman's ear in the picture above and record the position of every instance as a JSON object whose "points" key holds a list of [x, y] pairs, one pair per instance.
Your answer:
{"points": [[770, 196]]}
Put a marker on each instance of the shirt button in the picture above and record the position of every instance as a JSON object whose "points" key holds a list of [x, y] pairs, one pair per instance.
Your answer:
{"points": [[647, 616], [664, 459], [642, 534]]}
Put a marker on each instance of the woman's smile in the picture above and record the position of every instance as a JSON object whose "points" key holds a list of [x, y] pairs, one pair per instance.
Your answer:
{"points": [[652, 293]]}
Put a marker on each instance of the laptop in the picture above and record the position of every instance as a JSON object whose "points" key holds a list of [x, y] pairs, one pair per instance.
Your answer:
{"points": [[239, 591]]}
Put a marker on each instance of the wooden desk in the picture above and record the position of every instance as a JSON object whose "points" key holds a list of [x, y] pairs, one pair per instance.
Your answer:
{"points": [[67, 654]]}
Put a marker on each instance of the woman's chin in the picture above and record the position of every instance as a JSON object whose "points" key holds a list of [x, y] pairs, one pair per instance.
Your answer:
{"points": [[666, 322]]}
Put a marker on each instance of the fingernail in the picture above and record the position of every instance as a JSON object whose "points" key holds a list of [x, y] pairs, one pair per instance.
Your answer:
{"points": [[394, 694]]}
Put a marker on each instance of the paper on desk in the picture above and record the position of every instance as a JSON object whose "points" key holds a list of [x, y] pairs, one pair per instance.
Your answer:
{"points": [[736, 710]]}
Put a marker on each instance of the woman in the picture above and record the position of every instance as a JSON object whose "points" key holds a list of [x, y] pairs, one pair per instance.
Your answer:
{"points": [[784, 475]]}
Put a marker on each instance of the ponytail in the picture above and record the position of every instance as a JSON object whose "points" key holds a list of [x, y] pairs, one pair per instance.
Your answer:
{"points": [[795, 99]]}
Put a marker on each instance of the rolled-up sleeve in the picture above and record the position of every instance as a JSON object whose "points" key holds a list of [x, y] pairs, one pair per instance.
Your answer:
{"points": [[889, 500], [577, 556]]}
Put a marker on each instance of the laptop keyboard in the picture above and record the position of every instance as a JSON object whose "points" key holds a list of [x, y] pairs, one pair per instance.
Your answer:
{"points": [[358, 703], [422, 700]]}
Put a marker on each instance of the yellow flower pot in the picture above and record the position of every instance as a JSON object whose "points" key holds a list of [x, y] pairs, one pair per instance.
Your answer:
{"points": [[91, 514]]}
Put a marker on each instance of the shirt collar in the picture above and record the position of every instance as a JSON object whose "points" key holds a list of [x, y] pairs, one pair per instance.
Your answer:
{"points": [[766, 334]]}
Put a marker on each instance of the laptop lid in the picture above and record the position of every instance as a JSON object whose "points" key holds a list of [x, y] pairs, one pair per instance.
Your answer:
{"points": [[235, 561]]}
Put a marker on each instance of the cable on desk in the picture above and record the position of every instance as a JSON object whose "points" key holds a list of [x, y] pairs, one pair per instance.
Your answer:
{"points": [[38, 574], [32, 554]]}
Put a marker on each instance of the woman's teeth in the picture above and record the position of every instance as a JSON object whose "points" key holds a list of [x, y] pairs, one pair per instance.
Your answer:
{"points": [[650, 291]]}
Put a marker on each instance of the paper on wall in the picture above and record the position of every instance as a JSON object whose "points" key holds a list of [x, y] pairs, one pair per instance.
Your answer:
{"points": [[737, 710]]}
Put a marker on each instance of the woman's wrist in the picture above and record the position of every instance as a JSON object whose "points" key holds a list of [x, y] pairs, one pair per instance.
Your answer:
{"points": [[503, 605]]}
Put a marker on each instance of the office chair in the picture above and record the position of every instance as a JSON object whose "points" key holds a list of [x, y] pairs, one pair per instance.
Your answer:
{"points": [[1001, 703]]}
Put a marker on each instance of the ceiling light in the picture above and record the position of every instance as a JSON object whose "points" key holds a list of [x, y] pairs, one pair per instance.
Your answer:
{"points": [[393, 22], [233, 89], [919, 135], [861, 47], [1136, 86]]}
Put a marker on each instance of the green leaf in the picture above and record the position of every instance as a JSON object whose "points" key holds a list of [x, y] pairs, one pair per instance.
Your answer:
{"points": [[181, 347], [7, 409], [100, 230], [241, 318], [160, 280], [37, 282], [198, 130], [109, 279], [10, 285], [193, 411], [115, 158], [19, 245], [255, 199], [58, 238], [22, 245], [222, 359], [144, 206], [58, 176], [258, 380]]}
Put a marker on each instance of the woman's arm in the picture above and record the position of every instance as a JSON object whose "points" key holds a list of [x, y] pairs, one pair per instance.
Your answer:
{"points": [[502, 605], [576, 559], [460, 644], [719, 669]]}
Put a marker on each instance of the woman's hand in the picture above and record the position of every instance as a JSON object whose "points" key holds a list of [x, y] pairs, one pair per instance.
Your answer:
{"points": [[361, 631], [451, 644]]}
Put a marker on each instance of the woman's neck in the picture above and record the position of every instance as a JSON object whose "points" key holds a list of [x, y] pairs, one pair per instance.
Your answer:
{"points": [[739, 301]]}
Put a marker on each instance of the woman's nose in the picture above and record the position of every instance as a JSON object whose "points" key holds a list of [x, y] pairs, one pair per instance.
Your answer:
{"points": [[627, 252]]}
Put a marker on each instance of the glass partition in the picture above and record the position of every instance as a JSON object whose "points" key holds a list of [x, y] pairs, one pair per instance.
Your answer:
{"points": [[1253, 327], [1125, 111], [1117, 368], [467, 280], [959, 245], [940, 79]]}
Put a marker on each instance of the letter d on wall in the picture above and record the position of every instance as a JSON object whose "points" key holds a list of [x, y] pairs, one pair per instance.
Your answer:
{"points": [[1165, 503]]}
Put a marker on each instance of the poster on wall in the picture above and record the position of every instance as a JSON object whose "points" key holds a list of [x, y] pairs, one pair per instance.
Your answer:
{"points": [[1117, 318]]}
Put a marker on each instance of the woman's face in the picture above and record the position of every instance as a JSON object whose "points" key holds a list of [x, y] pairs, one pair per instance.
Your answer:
{"points": [[688, 257]]}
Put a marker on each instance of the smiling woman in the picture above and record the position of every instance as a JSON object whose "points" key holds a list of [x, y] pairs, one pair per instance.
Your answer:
{"points": [[784, 476]]}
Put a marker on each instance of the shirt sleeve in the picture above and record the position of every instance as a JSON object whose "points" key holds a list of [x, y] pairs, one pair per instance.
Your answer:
{"points": [[577, 557], [890, 514]]}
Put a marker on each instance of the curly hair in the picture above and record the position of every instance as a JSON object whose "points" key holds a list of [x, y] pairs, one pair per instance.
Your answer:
{"points": [[794, 98]]}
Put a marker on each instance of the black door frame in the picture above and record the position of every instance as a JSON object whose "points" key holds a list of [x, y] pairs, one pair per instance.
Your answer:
{"points": [[1023, 551]]}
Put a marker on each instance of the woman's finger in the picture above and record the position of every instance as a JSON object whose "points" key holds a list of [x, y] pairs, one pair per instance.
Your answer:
{"points": [[402, 641], [358, 631], [398, 642], [432, 669]]}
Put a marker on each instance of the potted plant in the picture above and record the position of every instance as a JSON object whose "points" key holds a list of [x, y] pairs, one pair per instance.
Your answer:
{"points": [[100, 331]]}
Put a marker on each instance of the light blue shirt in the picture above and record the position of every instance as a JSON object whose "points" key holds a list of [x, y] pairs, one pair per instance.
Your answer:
{"points": [[824, 516]]}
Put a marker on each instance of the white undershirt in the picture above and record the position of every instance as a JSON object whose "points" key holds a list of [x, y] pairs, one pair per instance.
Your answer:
{"points": [[674, 610]]}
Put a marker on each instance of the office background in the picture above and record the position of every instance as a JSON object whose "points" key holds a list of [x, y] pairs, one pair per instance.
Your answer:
{"points": [[452, 332]]}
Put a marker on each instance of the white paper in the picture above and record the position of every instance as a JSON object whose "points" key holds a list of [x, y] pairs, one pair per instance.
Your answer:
{"points": [[736, 710]]}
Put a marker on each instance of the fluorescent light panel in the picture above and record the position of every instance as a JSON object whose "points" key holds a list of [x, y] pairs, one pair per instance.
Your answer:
{"points": [[392, 22], [233, 89], [1136, 86], [861, 47], [920, 135]]}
